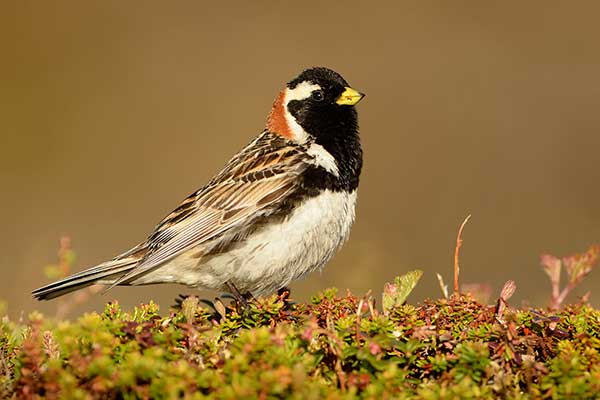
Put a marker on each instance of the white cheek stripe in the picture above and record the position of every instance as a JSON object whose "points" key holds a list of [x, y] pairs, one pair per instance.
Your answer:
{"points": [[300, 92]]}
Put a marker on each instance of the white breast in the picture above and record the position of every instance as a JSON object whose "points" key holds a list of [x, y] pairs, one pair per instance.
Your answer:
{"points": [[275, 255], [300, 244]]}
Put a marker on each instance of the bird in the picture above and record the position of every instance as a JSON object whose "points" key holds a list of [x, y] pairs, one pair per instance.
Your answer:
{"points": [[278, 210]]}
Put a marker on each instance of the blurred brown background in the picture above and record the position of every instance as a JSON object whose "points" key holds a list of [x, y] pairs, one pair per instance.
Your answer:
{"points": [[112, 112]]}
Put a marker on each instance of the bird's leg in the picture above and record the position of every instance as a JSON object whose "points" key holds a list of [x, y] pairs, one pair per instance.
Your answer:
{"points": [[239, 297], [234, 290], [284, 293], [249, 297]]}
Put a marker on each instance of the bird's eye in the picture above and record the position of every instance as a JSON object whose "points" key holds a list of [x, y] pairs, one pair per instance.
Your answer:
{"points": [[318, 95]]}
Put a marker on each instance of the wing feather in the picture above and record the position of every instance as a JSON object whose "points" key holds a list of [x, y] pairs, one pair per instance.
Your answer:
{"points": [[250, 186]]}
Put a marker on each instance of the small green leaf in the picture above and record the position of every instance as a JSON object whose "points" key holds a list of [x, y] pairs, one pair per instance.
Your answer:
{"points": [[395, 294]]}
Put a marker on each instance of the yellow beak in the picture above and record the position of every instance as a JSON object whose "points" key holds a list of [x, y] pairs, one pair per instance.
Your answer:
{"points": [[350, 97]]}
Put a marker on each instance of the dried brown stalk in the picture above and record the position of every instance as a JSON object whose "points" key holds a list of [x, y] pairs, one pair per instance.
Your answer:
{"points": [[456, 253]]}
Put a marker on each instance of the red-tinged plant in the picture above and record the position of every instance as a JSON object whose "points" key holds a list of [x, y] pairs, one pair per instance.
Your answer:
{"points": [[506, 293], [64, 267], [577, 267]]}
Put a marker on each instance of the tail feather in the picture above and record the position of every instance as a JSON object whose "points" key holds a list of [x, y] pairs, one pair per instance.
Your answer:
{"points": [[105, 273]]}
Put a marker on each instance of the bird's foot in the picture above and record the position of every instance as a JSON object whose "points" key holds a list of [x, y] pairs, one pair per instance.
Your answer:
{"points": [[243, 299], [283, 295]]}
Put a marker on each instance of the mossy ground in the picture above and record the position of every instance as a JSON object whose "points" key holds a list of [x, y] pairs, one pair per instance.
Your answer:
{"points": [[337, 346]]}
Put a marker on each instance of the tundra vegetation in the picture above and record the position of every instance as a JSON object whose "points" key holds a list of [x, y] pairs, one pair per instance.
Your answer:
{"points": [[337, 346]]}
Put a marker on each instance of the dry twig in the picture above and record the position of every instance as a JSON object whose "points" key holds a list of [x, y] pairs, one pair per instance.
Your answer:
{"points": [[456, 253]]}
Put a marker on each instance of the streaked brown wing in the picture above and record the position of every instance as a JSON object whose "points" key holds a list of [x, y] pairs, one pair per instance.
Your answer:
{"points": [[251, 185]]}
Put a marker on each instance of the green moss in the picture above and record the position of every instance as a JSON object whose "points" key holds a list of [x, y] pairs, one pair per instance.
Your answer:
{"points": [[337, 347]]}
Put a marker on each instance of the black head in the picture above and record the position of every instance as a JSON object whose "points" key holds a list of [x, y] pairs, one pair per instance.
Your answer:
{"points": [[319, 103], [322, 103], [324, 77]]}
